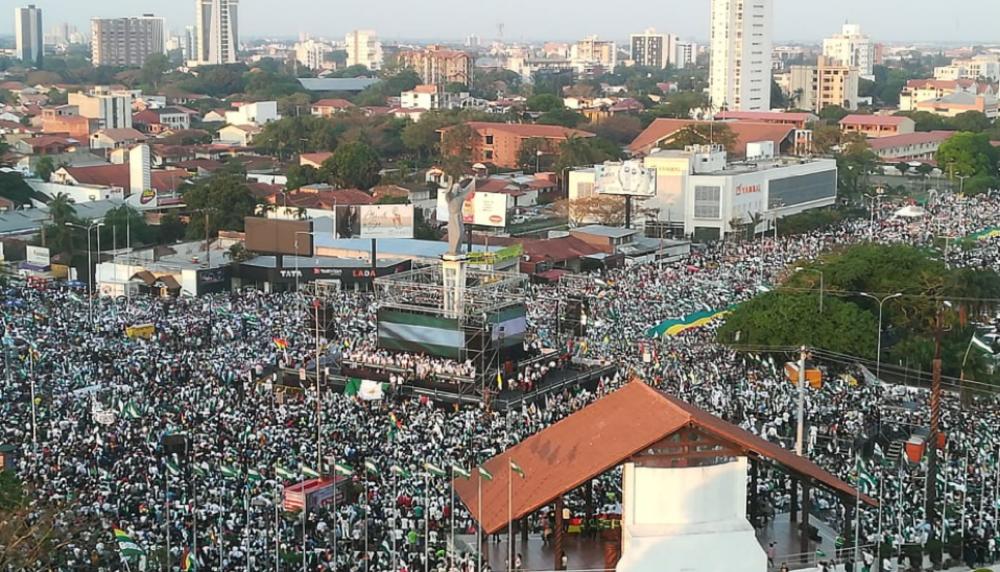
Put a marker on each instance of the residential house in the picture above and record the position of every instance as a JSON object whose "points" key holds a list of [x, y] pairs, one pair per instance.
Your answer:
{"points": [[157, 121], [960, 102], [921, 146], [240, 135], [877, 125], [116, 138], [798, 120], [314, 160], [258, 113], [46, 145], [329, 107], [663, 131], [500, 143], [917, 90]]}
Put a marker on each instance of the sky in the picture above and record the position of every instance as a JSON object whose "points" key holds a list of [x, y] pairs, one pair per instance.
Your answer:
{"points": [[528, 20]]}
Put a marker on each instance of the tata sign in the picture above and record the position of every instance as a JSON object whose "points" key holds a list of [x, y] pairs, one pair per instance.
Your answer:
{"points": [[747, 189]]}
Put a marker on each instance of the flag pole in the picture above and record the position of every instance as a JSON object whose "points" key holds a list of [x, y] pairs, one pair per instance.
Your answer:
{"points": [[944, 512], [366, 520], [166, 502], [965, 493], [427, 528], [277, 532], [221, 567], [304, 510], [336, 515], [479, 526], [510, 518], [996, 491], [878, 541], [395, 501], [857, 509], [451, 549]]}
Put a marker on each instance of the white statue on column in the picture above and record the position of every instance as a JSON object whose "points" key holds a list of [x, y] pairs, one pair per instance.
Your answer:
{"points": [[456, 195]]}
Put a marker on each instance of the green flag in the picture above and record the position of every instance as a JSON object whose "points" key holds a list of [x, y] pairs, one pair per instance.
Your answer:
{"points": [[229, 472], [173, 468], [308, 472], [371, 468], [126, 545], [484, 473], [283, 473], [399, 471], [516, 468], [254, 476], [456, 470], [200, 469], [434, 470], [343, 469]]}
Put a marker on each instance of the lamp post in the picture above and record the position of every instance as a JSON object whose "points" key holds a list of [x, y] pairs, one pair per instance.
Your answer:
{"points": [[90, 266], [881, 302], [871, 225], [820, 272], [961, 183]]}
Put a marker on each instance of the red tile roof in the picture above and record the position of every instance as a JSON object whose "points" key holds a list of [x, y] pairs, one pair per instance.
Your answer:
{"points": [[605, 434], [426, 89], [322, 199], [768, 116], [317, 158], [881, 143], [882, 120], [530, 130], [745, 132], [939, 83], [335, 103], [124, 134], [118, 176]]}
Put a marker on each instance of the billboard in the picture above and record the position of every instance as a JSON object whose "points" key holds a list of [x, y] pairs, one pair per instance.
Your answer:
{"points": [[626, 178], [37, 256], [385, 221], [276, 236], [481, 209]]}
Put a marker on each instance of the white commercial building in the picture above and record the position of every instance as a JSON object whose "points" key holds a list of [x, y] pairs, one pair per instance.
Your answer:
{"points": [[126, 42], [852, 49], [113, 110], [364, 49], [685, 55], [981, 67], [312, 53], [217, 34], [740, 65], [653, 50], [259, 113], [700, 194], [28, 34]]}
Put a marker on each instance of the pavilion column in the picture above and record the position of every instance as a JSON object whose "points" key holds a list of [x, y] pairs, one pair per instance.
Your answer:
{"points": [[557, 544], [806, 502], [754, 503], [589, 507], [847, 526], [524, 530], [793, 505]]}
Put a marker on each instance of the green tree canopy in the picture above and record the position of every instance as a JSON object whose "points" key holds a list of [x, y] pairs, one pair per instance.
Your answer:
{"points": [[354, 165], [968, 154], [544, 102], [226, 199]]}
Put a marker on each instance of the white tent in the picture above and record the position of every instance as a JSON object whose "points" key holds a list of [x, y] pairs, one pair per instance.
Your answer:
{"points": [[910, 211]]}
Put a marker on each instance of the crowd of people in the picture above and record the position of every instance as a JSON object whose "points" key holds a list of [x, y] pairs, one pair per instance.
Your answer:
{"points": [[176, 437]]}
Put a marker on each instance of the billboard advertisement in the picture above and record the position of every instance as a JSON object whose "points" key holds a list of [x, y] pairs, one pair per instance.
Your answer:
{"points": [[37, 256], [627, 178], [481, 209], [385, 221], [276, 236]]}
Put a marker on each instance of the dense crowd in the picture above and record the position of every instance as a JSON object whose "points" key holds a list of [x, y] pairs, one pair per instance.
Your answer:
{"points": [[112, 411]]}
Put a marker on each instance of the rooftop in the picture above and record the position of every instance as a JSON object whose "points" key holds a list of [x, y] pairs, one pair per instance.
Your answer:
{"points": [[882, 120], [909, 139], [606, 231], [608, 433], [530, 130], [118, 176], [745, 131], [337, 83]]}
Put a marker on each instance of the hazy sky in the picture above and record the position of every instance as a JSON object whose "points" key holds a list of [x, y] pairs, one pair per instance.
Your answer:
{"points": [[809, 20]]}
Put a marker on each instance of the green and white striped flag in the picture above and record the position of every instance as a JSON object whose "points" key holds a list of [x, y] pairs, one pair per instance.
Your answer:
{"points": [[254, 476], [434, 470], [308, 472], [343, 469], [200, 470], [228, 471], [484, 473], [371, 468], [173, 468], [283, 473], [516, 468], [866, 481], [982, 344], [456, 470], [126, 545], [399, 471], [132, 410]]}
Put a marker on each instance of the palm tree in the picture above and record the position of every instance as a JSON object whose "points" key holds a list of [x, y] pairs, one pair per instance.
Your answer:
{"points": [[755, 220], [61, 209]]}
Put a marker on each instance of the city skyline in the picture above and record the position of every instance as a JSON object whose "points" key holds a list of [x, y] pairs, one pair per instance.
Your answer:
{"points": [[794, 21]]}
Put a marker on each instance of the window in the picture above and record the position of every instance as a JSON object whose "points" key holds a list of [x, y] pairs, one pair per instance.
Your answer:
{"points": [[488, 154], [707, 202], [489, 139]]}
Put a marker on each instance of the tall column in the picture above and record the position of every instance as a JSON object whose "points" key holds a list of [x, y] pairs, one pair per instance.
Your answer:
{"points": [[805, 526], [793, 497]]}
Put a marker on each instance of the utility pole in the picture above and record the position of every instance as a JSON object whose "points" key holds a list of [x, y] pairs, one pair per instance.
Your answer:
{"points": [[319, 405], [800, 430], [932, 437]]}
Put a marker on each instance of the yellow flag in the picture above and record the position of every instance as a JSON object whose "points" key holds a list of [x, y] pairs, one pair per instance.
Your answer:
{"points": [[499, 380]]}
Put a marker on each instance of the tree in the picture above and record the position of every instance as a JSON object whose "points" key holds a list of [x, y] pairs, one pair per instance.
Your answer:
{"points": [[171, 228], [972, 121], [124, 223], [456, 150], [599, 209], [544, 102], [44, 168], [34, 535], [784, 319], [354, 165], [563, 117], [301, 175], [422, 137], [531, 152], [153, 69], [833, 113], [703, 134], [295, 135], [902, 167], [225, 198], [584, 151], [620, 129], [825, 138], [968, 154]]}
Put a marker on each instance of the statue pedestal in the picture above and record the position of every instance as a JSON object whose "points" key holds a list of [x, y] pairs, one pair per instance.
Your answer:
{"points": [[453, 276]]}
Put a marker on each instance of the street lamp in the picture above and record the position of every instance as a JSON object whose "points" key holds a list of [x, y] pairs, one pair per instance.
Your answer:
{"points": [[90, 265], [881, 301], [820, 272], [871, 225], [961, 183]]}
